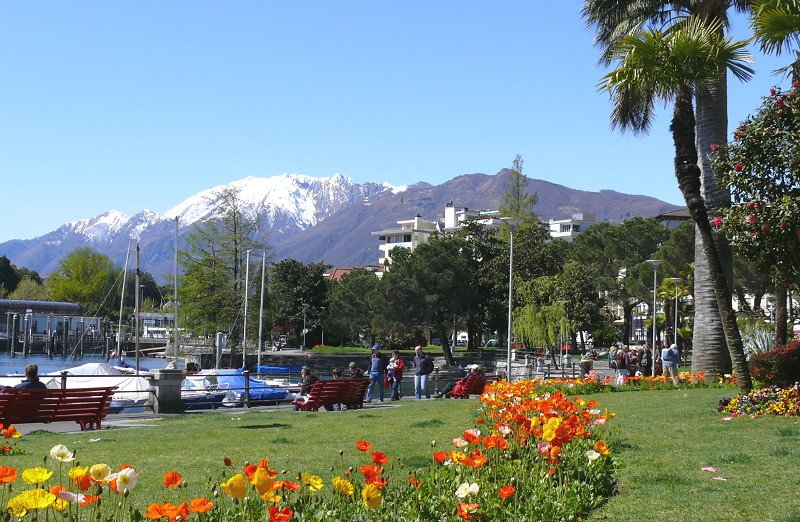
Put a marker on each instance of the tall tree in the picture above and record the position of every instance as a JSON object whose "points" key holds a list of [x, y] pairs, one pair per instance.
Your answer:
{"points": [[300, 293], [212, 285], [29, 289], [86, 277], [672, 65], [516, 200], [615, 20], [350, 309], [9, 277]]}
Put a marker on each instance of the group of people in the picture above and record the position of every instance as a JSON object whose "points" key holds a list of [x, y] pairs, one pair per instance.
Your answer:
{"points": [[383, 373], [638, 362]]}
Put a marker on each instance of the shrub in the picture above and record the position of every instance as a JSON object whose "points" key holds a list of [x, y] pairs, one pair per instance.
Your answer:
{"points": [[779, 366]]}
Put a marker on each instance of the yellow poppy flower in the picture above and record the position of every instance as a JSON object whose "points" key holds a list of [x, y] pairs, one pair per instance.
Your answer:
{"points": [[100, 472], [271, 496], [343, 486], [262, 481], [16, 507], [36, 499], [235, 486], [78, 471], [314, 482], [371, 496], [36, 475]]}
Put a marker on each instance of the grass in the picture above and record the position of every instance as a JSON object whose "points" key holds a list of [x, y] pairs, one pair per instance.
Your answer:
{"points": [[662, 438]]}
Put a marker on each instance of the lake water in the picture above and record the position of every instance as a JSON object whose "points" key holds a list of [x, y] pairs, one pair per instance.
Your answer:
{"points": [[16, 365]]}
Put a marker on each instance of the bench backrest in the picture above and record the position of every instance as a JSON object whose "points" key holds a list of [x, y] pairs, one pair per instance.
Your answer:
{"points": [[20, 405], [348, 392]]}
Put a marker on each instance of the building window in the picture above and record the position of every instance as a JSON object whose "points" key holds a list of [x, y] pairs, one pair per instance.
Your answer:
{"points": [[407, 238], [565, 228], [576, 228]]}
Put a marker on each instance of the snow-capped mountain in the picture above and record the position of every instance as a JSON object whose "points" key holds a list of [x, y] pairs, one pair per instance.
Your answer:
{"points": [[328, 220], [284, 204]]}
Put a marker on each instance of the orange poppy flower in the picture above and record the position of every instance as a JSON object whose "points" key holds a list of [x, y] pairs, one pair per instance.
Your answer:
{"points": [[370, 472], [505, 492], [601, 447], [379, 458], [83, 482], [466, 511], [90, 499], [440, 456], [250, 471], [8, 474], [363, 445], [200, 505], [172, 479], [414, 482]]}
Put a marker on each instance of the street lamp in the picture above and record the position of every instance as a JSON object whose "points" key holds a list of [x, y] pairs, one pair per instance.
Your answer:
{"points": [[675, 281], [303, 346], [511, 223], [655, 264], [322, 327]]}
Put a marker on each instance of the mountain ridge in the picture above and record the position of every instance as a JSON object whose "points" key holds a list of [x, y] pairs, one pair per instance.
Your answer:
{"points": [[326, 219]]}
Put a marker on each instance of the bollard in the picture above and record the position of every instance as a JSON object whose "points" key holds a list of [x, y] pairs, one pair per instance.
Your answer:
{"points": [[246, 374], [166, 386], [64, 380], [436, 380]]}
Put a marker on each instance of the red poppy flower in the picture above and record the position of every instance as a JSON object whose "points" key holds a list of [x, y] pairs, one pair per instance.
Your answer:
{"points": [[227, 461], [379, 458], [466, 511], [172, 479], [280, 514], [83, 482], [363, 445], [441, 456]]}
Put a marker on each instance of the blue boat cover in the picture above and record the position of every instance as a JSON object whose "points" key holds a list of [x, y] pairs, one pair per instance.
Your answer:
{"points": [[271, 370], [259, 391]]}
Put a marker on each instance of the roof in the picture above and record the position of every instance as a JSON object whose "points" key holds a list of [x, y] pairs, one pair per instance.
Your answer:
{"points": [[682, 214], [39, 307]]}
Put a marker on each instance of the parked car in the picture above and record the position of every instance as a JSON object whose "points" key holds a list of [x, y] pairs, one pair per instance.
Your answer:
{"points": [[436, 341], [492, 342]]}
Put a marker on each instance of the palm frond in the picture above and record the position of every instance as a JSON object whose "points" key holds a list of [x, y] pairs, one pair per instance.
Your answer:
{"points": [[776, 24]]}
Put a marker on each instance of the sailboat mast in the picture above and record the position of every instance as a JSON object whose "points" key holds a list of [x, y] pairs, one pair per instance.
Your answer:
{"points": [[122, 302], [137, 305], [175, 319], [246, 291], [261, 307]]}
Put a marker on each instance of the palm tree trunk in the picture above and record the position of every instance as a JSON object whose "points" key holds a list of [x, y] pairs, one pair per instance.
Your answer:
{"points": [[688, 174], [710, 353]]}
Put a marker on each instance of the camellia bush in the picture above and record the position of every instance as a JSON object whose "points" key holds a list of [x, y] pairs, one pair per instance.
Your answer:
{"points": [[777, 367], [531, 456]]}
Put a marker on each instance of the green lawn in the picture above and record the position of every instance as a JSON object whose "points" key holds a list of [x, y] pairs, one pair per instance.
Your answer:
{"points": [[662, 438]]}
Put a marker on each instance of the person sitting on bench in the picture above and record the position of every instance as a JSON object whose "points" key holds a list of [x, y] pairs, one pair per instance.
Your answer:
{"points": [[460, 387], [31, 379]]}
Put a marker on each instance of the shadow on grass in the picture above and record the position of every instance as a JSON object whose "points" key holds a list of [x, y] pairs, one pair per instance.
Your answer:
{"points": [[433, 423], [281, 440], [415, 462], [738, 458], [265, 426], [789, 431]]}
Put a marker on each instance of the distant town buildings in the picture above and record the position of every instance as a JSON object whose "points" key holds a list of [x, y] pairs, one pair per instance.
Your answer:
{"points": [[411, 233]]}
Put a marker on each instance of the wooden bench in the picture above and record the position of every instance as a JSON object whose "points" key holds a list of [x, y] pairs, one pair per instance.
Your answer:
{"points": [[86, 406], [349, 393]]}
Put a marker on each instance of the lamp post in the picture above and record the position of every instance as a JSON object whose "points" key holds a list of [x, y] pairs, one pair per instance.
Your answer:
{"points": [[322, 327], [511, 223], [303, 346], [246, 295], [655, 264], [675, 281]]}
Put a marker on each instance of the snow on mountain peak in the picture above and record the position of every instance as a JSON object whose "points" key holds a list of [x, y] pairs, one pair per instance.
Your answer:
{"points": [[102, 227]]}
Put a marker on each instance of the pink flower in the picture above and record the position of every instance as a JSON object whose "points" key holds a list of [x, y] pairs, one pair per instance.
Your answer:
{"points": [[751, 219], [795, 84], [772, 91], [714, 147], [779, 100], [717, 221], [783, 226], [543, 448], [738, 167], [751, 205]]}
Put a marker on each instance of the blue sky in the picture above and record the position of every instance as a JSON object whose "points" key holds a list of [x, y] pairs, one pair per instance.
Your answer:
{"points": [[134, 105]]}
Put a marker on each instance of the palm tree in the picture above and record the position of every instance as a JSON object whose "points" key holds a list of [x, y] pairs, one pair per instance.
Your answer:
{"points": [[616, 19], [672, 65]]}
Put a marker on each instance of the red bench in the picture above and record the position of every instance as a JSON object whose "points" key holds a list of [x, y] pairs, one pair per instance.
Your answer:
{"points": [[86, 406], [348, 393], [474, 385]]}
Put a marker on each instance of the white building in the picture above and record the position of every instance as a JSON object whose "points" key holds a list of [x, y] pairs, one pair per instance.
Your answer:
{"points": [[410, 234], [568, 229]]}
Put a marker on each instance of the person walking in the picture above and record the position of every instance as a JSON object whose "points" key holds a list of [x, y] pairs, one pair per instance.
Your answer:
{"points": [[622, 361], [377, 367], [670, 357], [395, 373], [423, 364]]}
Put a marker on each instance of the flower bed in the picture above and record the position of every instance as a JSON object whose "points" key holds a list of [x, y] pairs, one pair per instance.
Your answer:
{"points": [[597, 383], [530, 456], [764, 401]]}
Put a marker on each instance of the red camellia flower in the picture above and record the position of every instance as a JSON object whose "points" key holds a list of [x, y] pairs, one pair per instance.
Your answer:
{"points": [[783, 226], [280, 514], [738, 167], [717, 221], [379, 458], [751, 219], [795, 84], [714, 147], [779, 100], [172, 479], [363, 445], [751, 205], [505, 492], [772, 91]]}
